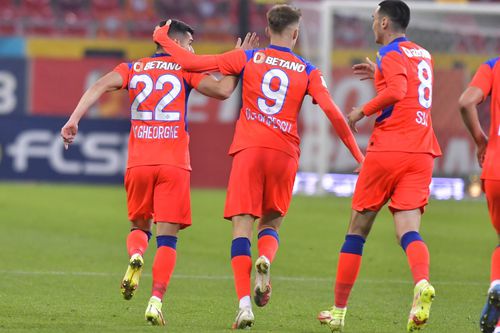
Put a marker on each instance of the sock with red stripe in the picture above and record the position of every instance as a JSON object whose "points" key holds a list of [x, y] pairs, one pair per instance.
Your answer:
{"points": [[163, 264], [241, 262], [348, 268], [418, 255], [268, 243], [137, 241]]}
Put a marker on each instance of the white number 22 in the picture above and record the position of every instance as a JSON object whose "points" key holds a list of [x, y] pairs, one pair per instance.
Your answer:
{"points": [[159, 114]]}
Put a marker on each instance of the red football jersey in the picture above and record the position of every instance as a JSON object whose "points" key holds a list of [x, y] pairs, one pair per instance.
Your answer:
{"points": [[158, 90], [404, 69], [274, 84], [275, 81], [487, 79]]}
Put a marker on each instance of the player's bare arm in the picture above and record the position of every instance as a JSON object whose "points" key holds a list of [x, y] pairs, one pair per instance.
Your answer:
{"points": [[223, 88], [468, 102], [365, 70], [220, 89], [109, 82], [355, 116]]}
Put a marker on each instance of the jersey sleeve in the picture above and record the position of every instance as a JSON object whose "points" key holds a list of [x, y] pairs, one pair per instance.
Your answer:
{"points": [[395, 74], [124, 70], [318, 91], [483, 79], [233, 62], [194, 79]]}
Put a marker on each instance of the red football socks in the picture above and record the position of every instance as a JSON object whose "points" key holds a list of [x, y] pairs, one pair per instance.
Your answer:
{"points": [[495, 265], [163, 267], [137, 242], [242, 267], [348, 268], [268, 243], [347, 272], [419, 260], [241, 262]]}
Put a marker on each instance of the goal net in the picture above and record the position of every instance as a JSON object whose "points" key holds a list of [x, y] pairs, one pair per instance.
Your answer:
{"points": [[337, 34]]}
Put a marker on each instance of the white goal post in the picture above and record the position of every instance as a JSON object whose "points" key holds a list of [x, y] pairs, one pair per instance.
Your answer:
{"points": [[317, 44]]}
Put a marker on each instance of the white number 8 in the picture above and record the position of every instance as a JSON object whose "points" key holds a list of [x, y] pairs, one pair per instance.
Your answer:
{"points": [[425, 83], [277, 96]]}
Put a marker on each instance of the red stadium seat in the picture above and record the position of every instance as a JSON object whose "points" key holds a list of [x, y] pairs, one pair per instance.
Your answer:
{"points": [[38, 17], [75, 18], [9, 23]]}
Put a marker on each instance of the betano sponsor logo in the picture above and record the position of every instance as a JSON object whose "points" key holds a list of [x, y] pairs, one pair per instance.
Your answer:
{"points": [[261, 58]]}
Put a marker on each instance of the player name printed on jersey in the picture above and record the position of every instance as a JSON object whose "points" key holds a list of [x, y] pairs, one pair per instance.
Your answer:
{"points": [[270, 121], [155, 132], [418, 53], [261, 58]]}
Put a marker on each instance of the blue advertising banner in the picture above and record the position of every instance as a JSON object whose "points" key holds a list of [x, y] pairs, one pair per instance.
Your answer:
{"points": [[31, 149], [13, 86]]}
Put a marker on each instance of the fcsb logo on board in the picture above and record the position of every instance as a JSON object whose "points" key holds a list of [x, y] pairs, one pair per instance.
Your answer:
{"points": [[259, 58]]}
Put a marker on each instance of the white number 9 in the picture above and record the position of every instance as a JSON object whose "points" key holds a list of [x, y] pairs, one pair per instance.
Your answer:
{"points": [[277, 96]]}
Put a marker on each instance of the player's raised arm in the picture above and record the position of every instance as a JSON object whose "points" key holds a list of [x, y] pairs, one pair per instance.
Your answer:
{"points": [[318, 91], [109, 82], [396, 79], [229, 63], [477, 91]]}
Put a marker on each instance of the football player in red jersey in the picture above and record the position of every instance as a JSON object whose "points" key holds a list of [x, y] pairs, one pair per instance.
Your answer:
{"points": [[486, 83], [158, 169], [265, 146], [399, 160]]}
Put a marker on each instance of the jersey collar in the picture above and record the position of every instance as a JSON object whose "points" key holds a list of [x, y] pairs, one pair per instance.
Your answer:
{"points": [[279, 48], [157, 55], [399, 40]]}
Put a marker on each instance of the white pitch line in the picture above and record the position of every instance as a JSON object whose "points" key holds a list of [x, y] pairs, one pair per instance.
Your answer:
{"points": [[229, 277]]}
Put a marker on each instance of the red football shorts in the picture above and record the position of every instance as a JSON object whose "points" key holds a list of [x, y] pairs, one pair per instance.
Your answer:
{"points": [[160, 192], [261, 182], [402, 177], [492, 190]]}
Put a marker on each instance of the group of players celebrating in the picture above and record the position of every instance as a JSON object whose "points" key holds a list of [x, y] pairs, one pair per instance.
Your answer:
{"points": [[265, 149]]}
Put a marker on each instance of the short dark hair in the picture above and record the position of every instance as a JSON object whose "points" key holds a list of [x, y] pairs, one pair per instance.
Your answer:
{"points": [[397, 11], [177, 27], [279, 17]]}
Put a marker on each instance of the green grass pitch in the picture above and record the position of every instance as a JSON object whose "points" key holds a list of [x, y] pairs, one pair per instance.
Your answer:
{"points": [[63, 255]]}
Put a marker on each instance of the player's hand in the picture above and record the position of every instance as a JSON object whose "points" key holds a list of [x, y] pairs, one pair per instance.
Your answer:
{"points": [[365, 70], [355, 116], [358, 168], [161, 31], [68, 133], [481, 150], [250, 42]]}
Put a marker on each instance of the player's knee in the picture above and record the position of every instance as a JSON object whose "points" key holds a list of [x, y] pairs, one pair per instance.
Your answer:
{"points": [[142, 224]]}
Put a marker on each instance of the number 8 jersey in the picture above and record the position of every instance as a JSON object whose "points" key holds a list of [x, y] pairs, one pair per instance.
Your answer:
{"points": [[404, 69], [274, 83], [158, 90]]}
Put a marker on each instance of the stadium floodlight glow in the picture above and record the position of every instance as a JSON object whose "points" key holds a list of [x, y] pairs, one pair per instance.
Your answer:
{"points": [[342, 185]]}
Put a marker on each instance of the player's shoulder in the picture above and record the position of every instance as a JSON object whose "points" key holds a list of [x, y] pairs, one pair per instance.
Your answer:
{"points": [[293, 61], [492, 62]]}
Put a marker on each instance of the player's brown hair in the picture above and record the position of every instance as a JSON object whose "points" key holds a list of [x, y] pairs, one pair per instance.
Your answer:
{"points": [[279, 17]]}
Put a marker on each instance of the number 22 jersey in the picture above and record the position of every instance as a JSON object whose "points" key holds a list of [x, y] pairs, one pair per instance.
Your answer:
{"points": [[158, 91]]}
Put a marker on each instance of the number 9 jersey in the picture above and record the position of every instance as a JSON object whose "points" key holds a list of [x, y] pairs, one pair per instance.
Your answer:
{"points": [[274, 84], [404, 69], [158, 90]]}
